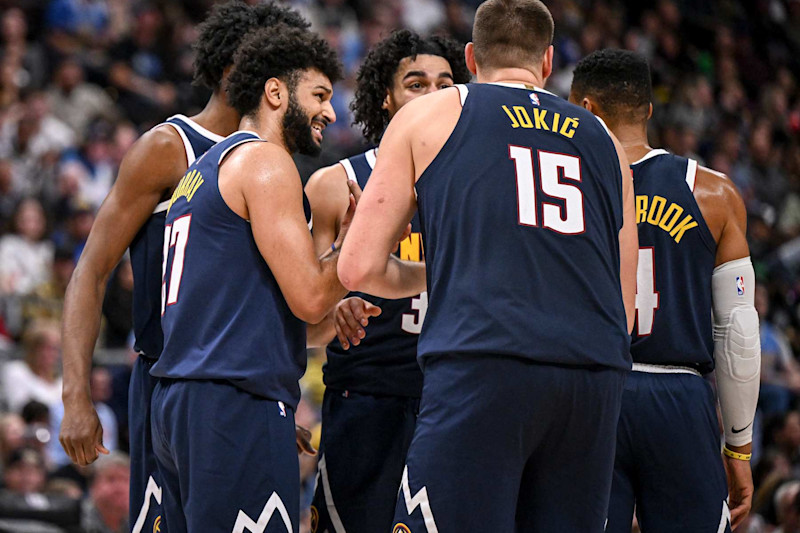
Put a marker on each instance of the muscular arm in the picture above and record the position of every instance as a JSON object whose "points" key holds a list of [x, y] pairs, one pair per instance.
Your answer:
{"points": [[628, 238], [271, 195], [329, 197], [150, 169]]}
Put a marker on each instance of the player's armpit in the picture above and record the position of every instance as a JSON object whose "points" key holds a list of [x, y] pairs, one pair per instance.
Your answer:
{"points": [[149, 170], [272, 192], [328, 195]]}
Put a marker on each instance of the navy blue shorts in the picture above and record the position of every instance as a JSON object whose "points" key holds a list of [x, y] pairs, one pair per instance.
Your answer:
{"points": [[668, 457], [504, 445], [227, 458], [363, 450], [145, 485]]}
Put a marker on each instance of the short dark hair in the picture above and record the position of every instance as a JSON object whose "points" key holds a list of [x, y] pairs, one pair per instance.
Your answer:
{"points": [[511, 33], [618, 79], [222, 33], [277, 52], [376, 74]]}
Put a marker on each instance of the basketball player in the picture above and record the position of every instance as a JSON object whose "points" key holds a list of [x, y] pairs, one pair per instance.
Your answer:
{"points": [[133, 215], [373, 387], [693, 258], [527, 213], [240, 279]]}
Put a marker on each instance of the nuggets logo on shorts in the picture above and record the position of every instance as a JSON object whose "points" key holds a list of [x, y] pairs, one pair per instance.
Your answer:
{"points": [[401, 528], [157, 524], [314, 519]]}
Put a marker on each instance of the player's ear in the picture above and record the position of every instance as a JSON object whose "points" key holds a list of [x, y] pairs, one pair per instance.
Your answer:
{"points": [[387, 100], [469, 56], [650, 111], [547, 63], [272, 91], [588, 105]]}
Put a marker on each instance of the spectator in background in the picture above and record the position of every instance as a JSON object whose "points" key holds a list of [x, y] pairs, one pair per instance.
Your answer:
{"points": [[106, 510], [47, 300], [75, 24], [780, 371], [786, 511], [37, 377], [12, 436], [25, 472], [93, 166], [26, 60], [9, 198], [25, 257], [76, 102]]}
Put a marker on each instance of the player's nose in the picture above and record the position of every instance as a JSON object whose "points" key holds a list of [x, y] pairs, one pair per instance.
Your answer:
{"points": [[328, 112]]}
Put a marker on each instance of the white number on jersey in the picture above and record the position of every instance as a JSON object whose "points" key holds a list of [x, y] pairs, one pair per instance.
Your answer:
{"points": [[177, 235], [413, 323], [647, 297], [567, 219]]}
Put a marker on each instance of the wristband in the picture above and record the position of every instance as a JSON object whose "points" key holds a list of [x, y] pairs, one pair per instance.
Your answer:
{"points": [[736, 455], [333, 247]]}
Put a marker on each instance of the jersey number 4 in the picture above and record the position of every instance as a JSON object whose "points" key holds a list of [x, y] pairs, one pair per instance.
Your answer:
{"points": [[177, 235], [568, 218], [647, 298]]}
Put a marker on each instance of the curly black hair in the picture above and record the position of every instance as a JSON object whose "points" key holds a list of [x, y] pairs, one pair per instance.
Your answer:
{"points": [[618, 79], [376, 74], [225, 28], [277, 52]]}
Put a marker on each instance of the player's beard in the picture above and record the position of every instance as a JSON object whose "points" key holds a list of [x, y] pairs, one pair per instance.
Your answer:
{"points": [[297, 130]]}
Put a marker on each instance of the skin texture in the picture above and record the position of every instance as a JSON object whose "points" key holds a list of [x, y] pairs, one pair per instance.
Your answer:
{"points": [[725, 215], [327, 189], [414, 137]]}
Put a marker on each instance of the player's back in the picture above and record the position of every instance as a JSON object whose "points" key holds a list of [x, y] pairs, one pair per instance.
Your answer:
{"points": [[224, 316], [384, 362], [147, 246], [521, 212], [676, 260]]}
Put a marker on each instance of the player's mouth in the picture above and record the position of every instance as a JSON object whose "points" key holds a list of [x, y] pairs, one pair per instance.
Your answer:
{"points": [[316, 128]]}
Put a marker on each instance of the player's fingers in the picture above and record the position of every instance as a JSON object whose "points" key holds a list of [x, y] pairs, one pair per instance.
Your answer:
{"points": [[349, 328], [343, 340], [98, 442], [738, 514], [90, 452], [371, 310], [352, 326], [355, 190], [80, 456], [68, 448], [304, 441]]}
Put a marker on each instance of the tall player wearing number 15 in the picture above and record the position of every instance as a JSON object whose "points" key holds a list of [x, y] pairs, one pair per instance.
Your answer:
{"points": [[693, 257], [530, 249]]}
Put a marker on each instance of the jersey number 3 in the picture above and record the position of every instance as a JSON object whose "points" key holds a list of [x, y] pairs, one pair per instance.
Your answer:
{"points": [[567, 219], [647, 298], [177, 235]]}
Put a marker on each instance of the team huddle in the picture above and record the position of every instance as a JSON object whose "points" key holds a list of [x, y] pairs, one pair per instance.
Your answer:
{"points": [[520, 309]]}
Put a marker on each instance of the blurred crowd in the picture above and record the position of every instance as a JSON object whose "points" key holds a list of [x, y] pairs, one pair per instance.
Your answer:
{"points": [[81, 79]]}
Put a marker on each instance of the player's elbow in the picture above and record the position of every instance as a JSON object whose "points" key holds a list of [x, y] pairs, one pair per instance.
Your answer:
{"points": [[354, 273], [311, 307]]}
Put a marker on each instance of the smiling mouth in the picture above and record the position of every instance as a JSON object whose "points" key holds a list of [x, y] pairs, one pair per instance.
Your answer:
{"points": [[317, 128]]}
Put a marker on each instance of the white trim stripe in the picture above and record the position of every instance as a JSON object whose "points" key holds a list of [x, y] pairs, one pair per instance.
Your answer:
{"points": [[311, 223], [522, 86], [725, 519], [163, 206], [151, 491], [602, 123], [691, 174], [190, 157], [651, 153], [333, 514], [348, 169], [198, 128], [371, 157], [420, 500], [664, 369], [463, 92]]}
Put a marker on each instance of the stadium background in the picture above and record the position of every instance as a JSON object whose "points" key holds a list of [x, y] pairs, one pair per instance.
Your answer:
{"points": [[81, 79]]}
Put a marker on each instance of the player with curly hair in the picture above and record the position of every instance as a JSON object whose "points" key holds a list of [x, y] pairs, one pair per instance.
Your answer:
{"points": [[241, 279], [373, 382], [133, 215]]}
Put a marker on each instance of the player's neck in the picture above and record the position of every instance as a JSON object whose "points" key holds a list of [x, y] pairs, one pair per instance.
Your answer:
{"points": [[633, 138], [218, 117], [269, 130], [511, 75]]}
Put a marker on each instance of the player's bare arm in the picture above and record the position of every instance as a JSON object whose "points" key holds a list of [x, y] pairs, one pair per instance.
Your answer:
{"points": [[411, 142], [329, 197], [148, 172], [261, 184], [738, 362], [628, 238]]}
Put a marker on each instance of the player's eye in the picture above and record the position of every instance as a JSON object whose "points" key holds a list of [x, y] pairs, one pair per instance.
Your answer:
{"points": [[445, 85], [415, 86]]}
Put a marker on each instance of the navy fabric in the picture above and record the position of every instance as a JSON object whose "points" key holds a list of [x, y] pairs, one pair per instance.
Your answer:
{"points": [[146, 249], [227, 458], [385, 362], [521, 211], [225, 316], [362, 453], [679, 262], [145, 510], [668, 460], [477, 465]]}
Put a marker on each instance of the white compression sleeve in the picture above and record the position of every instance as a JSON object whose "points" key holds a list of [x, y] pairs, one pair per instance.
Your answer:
{"points": [[737, 348]]}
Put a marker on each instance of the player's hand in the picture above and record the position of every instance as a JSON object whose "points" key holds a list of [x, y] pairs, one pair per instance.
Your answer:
{"points": [[81, 432], [350, 318], [355, 190], [303, 440], [346, 221], [740, 489]]}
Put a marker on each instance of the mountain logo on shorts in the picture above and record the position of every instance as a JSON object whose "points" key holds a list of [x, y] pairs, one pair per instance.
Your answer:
{"points": [[157, 525], [401, 528]]}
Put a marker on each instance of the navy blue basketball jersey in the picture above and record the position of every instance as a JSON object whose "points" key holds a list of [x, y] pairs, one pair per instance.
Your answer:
{"points": [[521, 212], [224, 316], [385, 362], [146, 248], [676, 259]]}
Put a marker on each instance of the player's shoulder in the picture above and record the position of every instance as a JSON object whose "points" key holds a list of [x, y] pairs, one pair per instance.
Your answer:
{"points": [[430, 106], [716, 185], [156, 160], [328, 185], [259, 161]]}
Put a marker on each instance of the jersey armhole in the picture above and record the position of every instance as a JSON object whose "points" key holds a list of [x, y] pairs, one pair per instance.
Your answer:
{"points": [[463, 92], [691, 174], [349, 170], [187, 146]]}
